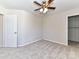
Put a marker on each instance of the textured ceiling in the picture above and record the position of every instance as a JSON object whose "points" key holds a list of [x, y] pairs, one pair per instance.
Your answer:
{"points": [[61, 5]]}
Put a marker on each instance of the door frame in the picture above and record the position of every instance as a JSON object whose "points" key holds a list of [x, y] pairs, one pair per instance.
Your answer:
{"points": [[2, 29]]}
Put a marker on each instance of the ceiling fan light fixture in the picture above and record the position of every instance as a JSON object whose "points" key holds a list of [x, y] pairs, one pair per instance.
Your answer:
{"points": [[41, 10], [45, 10]]}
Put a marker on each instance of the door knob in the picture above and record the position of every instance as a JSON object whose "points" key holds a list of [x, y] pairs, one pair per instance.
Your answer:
{"points": [[15, 32]]}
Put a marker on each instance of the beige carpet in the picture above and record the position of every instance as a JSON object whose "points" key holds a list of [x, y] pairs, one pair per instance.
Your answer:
{"points": [[41, 50]]}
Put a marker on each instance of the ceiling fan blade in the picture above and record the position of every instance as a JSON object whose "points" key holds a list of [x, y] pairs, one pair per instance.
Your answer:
{"points": [[37, 3], [37, 9], [51, 7], [49, 1]]}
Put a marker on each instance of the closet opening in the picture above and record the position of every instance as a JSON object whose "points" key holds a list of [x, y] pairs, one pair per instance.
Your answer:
{"points": [[73, 30]]}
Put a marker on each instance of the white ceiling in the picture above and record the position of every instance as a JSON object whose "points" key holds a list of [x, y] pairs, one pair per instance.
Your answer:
{"points": [[28, 5]]}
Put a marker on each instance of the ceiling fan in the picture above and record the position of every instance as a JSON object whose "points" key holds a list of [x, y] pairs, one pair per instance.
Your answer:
{"points": [[44, 6]]}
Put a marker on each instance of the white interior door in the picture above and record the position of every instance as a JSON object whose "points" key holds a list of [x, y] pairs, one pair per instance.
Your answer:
{"points": [[10, 31]]}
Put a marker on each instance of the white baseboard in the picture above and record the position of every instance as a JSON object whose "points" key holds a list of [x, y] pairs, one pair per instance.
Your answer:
{"points": [[57, 42], [30, 42]]}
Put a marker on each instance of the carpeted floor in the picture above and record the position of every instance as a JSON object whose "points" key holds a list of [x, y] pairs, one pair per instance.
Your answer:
{"points": [[41, 50]]}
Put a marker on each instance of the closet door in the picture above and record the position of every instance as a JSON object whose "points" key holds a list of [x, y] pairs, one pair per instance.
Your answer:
{"points": [[10, 31]]}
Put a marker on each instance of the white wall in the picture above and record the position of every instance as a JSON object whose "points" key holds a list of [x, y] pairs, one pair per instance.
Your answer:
{"points": [[56, 26], [31, 29]]}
